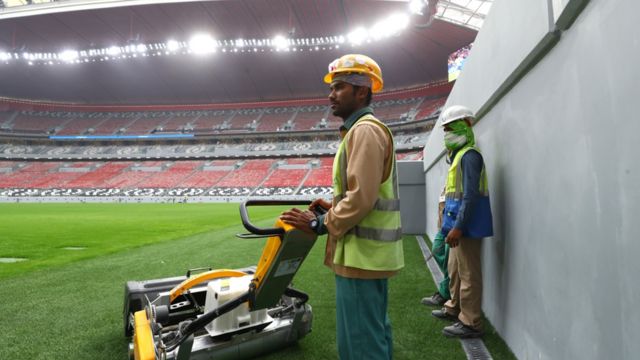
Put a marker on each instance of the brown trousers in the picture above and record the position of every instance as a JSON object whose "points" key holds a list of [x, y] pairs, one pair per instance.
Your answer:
{"points": [[465, 271]]}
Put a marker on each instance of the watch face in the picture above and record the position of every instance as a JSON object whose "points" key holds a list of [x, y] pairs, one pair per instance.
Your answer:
{"points": [[313, 224]]}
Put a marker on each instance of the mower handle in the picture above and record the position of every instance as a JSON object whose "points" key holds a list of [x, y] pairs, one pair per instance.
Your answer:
{"points": [[272, 231]]}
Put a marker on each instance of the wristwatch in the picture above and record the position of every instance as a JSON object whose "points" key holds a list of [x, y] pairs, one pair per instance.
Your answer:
{"points": [[313, 224]]}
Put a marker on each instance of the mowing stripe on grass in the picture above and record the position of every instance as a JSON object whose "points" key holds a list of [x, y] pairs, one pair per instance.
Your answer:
{"points": [[474, 348]]}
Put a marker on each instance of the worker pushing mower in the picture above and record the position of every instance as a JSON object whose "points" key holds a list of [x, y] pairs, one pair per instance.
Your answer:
{"points": [[224, 314]]}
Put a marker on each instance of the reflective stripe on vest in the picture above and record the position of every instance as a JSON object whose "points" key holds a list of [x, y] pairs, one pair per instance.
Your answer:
{"points": [[375, 242]]}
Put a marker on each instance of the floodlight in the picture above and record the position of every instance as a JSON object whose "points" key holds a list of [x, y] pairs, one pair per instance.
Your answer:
{"points": [[398, 22], [68, 55], [114, 51], [416, 6], [141, 48], [379, 30], [202, 44], [357, 36], [4, 56], [389, 26], [172, 45], [280, 42], [240, 42]]}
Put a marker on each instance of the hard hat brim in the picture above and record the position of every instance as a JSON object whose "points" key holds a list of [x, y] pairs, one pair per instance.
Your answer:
{"points": [[445, 123], [376, 81]]}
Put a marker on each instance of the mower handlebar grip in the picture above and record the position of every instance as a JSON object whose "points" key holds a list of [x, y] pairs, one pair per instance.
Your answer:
{"points": [[244, 215]]}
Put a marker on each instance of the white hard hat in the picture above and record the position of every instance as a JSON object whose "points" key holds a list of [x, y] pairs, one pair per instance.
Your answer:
{"points": [[456, 112]]}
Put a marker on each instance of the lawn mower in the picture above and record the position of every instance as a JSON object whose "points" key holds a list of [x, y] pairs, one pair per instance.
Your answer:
{"points": [[224, 313]]}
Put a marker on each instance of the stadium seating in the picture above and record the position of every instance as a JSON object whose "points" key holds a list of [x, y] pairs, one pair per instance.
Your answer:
{"points": [[80, 125], [321, 176], [44, 123], [227, 178], [429, 107], [306, 120], [259, 119], [391, 111], [285, 177], [176, 173], [274, 121], [145, 125], [251, 174], [211, 121], [27, 175], [100, 176], [111, 125], [177, 123], [127, 169], [243, 119]]}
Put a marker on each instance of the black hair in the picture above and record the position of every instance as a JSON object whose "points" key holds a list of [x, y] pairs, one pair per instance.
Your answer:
{"points": [[369, 94]]}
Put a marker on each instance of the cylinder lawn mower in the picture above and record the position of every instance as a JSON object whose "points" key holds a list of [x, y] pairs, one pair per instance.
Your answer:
{"points": [[224, 314]]}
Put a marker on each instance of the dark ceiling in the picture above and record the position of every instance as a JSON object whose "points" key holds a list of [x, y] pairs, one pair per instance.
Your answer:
{"points": [[415, 57]]}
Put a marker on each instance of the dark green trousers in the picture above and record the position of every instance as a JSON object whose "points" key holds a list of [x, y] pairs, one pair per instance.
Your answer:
{"points": [[440, 251], [363, 326]]}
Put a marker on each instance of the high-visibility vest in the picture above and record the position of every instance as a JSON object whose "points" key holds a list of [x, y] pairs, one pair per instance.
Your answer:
{"points": [[375, 243], [479, 224]]}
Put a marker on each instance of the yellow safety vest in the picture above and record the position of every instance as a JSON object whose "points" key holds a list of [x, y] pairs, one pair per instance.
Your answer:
{"points": [[376, 242], [480, 222]]}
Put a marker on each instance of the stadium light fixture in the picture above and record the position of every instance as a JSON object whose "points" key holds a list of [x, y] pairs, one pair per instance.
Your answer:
{"points": [[202, 44], [390, 26], [68, 55], [172, 45], [280, 42], [114, 51], [357, 36], [416, 6]]}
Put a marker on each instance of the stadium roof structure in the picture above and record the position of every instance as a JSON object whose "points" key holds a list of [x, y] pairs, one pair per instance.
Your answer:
{"points": [[140, 51]]}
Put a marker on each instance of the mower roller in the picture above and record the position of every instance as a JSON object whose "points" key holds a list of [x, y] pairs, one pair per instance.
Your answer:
{"points": [[224, 314]]}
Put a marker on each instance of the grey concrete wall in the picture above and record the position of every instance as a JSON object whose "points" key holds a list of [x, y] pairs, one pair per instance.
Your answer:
{"points": [[560, 274], [411, 184]]}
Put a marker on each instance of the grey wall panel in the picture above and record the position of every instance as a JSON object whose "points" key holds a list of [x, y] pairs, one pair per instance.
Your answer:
{"points": [[412, 191], [436, 178], [498, 50], [561, 272]]}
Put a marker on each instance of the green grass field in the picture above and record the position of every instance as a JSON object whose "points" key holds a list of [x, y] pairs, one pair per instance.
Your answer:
{"points": [[67, 304]]}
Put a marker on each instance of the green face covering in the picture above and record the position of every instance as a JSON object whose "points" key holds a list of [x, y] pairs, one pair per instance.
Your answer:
{"points": [[461, 134]]}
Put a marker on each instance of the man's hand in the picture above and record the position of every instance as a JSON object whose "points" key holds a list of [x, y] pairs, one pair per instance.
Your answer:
{"points": [[299, 219], [321, 203], [453, 237]]}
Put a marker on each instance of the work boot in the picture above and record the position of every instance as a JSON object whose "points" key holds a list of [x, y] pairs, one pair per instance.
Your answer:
{"points": [[442, 314], [462, 331], [434, 300]]}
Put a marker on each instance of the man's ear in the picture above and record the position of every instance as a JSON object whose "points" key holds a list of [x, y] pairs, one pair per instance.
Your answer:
{"points": [[361, 93]]}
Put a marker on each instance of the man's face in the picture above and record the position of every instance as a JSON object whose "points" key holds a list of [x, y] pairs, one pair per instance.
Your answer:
{"points": [[343, 99]]}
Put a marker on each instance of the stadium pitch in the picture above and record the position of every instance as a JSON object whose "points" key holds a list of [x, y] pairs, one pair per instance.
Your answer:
{"points": [[65, 300]]}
